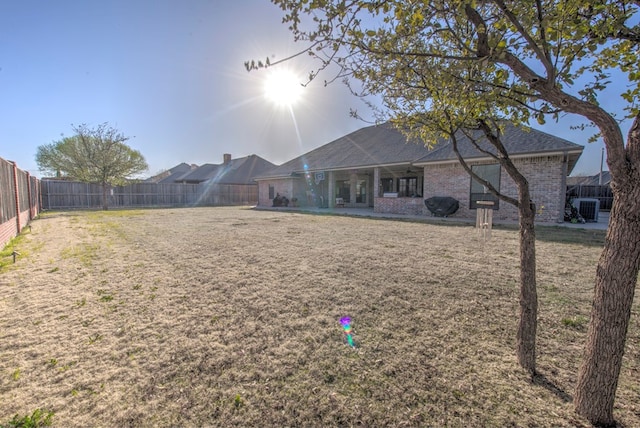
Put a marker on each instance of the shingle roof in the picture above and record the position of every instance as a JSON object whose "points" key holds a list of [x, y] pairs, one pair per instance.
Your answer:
{"points": [[517, 141], [592, 180], [384, 145], [170, 175], [367, 147], [237, 171]]}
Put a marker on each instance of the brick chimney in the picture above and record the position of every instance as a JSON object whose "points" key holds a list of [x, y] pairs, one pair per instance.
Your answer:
{"points": [[227, 158]]}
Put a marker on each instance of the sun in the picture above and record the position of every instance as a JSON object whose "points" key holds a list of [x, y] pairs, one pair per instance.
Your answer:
{"points": [[282, 87]]}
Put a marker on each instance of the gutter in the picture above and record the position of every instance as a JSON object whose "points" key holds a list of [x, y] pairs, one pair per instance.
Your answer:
{"points": [[515, 156]]}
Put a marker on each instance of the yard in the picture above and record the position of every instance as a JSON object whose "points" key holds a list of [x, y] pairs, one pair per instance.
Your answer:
{"points": [[230, 317]]}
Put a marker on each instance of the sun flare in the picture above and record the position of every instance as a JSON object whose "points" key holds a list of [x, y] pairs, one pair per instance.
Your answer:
{"points": [[282, 87]]}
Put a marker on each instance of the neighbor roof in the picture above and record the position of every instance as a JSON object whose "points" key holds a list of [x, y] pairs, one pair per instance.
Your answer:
{"points": [[170, 175], [237, 171], [384, 145], [592, 180]]}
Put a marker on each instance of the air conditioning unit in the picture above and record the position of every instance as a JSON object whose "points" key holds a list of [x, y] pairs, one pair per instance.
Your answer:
{"points": [[588, 208]]}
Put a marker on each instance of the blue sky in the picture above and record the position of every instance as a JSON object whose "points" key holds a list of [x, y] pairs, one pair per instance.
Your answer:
{"points": [[170, 74]]}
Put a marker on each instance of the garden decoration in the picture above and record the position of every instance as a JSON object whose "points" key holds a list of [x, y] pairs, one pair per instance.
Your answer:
{"points": [[346, 326], [484, 218]]}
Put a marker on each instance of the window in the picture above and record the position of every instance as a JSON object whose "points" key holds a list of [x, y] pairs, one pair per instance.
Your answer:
{"points": [[407, 187], [361, 192], [386, 185], [271, 192], [343, 190], [491, 174]]}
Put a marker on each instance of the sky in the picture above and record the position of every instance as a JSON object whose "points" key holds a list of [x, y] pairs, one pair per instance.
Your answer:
{"points": [[170, 75]]}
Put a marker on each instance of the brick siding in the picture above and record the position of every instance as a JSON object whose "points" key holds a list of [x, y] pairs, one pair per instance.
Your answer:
{"points": [[543, 173], [407, 206]]}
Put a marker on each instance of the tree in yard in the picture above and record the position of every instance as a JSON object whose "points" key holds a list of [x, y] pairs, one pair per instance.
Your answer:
{"points": [[92, 155], [457, 114], [524, 60]]}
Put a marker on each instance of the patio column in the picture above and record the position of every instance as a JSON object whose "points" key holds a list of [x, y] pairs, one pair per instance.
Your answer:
{"points": [[331, 203], [353, 183]]}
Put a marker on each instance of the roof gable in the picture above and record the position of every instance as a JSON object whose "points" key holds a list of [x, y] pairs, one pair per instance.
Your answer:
{"points": [[370, 146], [236, 171], [516, 140], [592, 180], [172, 174]]}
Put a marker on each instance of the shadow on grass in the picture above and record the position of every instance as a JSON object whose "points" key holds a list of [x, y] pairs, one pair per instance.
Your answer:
{"points": [[566, 235], [547, 233], [541, 380]]}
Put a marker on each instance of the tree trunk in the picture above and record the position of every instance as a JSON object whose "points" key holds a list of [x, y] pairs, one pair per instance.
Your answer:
{"points": [[616, 279], [528, 324], [105, 205], [528, 321]]}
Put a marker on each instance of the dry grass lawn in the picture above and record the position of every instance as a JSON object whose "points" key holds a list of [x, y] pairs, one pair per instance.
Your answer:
{"points": [[230, 317]]}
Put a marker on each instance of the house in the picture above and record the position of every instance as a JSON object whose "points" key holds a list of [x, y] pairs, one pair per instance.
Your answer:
{"points": [[231, 171], [170, 175], [600, 179], [376, 167]]}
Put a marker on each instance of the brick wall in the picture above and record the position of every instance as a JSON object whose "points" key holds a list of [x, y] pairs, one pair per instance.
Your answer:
{"points": [[408, 206], [7, 231], [545, 176], [305, 190], [282, 186]]}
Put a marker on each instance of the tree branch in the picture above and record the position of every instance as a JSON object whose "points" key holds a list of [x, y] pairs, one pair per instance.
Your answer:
{"points": [[541, 54], [467, 168]]}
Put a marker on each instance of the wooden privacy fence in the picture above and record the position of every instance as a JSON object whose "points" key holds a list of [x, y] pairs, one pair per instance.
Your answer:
{"points": [[19, 200], [60, 194]]}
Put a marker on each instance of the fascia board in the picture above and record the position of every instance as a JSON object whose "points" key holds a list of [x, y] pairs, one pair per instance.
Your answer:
{"points": [[516, 156]]}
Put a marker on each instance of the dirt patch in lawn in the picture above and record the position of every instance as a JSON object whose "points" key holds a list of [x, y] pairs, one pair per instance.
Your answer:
{"points": [[230, 317]]}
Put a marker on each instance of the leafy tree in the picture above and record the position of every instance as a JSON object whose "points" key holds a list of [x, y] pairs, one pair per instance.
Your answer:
{"points": [[93, 155], [524, 60]]}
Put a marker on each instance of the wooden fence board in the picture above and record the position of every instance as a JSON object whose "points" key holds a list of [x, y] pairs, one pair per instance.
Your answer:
{"points": [[7, 192], [60, 194], [19, 200]]}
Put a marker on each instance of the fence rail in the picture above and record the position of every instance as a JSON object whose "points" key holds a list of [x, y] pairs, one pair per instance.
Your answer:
{"points": [[59, 194], [19, 200]]}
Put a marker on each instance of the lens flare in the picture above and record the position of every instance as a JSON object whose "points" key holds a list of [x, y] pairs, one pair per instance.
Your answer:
{"points": [[346, 327], [282, 87]]}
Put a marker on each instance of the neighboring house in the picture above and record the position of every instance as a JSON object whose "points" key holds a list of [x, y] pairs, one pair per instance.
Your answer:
{"points": [[376, 167], [231, 171], [603, 179], [170, 175]]}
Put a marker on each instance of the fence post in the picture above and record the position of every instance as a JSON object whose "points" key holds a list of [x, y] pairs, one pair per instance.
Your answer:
{"points": [[29, 196], [17, 196], [48, 195], [38, 202]]}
